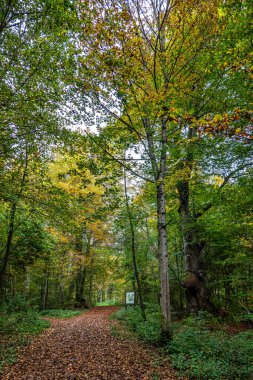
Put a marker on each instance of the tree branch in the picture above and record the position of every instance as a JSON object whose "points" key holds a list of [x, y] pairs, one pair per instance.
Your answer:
{"points": [[225, 181], [119, 161]]}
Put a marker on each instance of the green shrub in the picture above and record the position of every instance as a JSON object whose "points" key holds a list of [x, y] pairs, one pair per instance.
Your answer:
{"points": [[149, 330], [203, 354], [15, 304], [120, 314]]}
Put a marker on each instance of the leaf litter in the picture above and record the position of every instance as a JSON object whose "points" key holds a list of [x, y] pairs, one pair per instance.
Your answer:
{"points": [[84, 348]]}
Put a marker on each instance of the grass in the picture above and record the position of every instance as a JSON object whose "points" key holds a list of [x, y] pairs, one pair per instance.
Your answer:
{"points": [[109, 303], [201, 348], [60, 313]]}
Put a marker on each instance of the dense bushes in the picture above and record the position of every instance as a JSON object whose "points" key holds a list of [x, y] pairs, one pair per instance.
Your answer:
{"points": [[200, 349], [148, 330]]}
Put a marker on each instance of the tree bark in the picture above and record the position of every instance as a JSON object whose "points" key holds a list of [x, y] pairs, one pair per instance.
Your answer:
{"points": [[91, 279], [80, 279], [27, 283], [159, 172], [133, 250], [163, 259], [8, 244], [45, 288], [197, 294], [13, 209]]}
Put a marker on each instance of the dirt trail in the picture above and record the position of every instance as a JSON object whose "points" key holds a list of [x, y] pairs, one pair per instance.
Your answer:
{"points": [[83, 348]]}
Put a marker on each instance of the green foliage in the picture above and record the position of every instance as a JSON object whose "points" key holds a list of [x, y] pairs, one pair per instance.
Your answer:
{"points": [[31, 242], [15, 304], [60, 313], [201, 353], [23, 322], [196, 351], [16, 328], [17, 317], [149, 330], [120, 315]]}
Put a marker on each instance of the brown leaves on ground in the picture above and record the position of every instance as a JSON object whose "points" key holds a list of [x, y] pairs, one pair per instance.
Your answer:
{"points": [[83, 348]]}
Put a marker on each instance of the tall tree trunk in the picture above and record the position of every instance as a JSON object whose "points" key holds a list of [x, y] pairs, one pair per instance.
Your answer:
{"points": [[163, 259], [45, 288], [27, 283], [179, 267], [159, 172], [91, 279], [162, 236], [13, 209], [8, 245], [80, 279], [197, 294], [133, 250]]}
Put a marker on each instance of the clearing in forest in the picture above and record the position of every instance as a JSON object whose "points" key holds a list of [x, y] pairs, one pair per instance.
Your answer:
{"points": [[84, 348]]}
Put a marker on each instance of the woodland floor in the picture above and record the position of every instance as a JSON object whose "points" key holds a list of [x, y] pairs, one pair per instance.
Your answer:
{"points": [[83, 347]]}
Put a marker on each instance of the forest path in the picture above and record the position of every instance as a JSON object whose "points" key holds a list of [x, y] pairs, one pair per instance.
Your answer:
{"points": [[83, 348]]}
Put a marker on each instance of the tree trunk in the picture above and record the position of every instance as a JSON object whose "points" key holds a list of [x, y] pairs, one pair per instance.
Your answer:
{"points": [[80, 279], [197, 294], [91, 279], [27, 283], [179, 267], [45, 288], [13, 209], [8, 245], [159, 172], [133, 250], [163, 260]]}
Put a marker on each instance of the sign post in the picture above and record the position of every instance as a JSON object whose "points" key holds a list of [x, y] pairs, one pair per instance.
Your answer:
{"points": [[130, 298]]}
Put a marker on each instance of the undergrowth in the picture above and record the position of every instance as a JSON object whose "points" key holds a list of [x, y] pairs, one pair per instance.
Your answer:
{"points": [[148, 330], [60, 313], [201, 352], [18, 323], [200, 348]]}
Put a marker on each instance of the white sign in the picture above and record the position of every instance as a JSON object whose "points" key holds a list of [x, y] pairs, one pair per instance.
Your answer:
{"points": [[130, 298]]}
